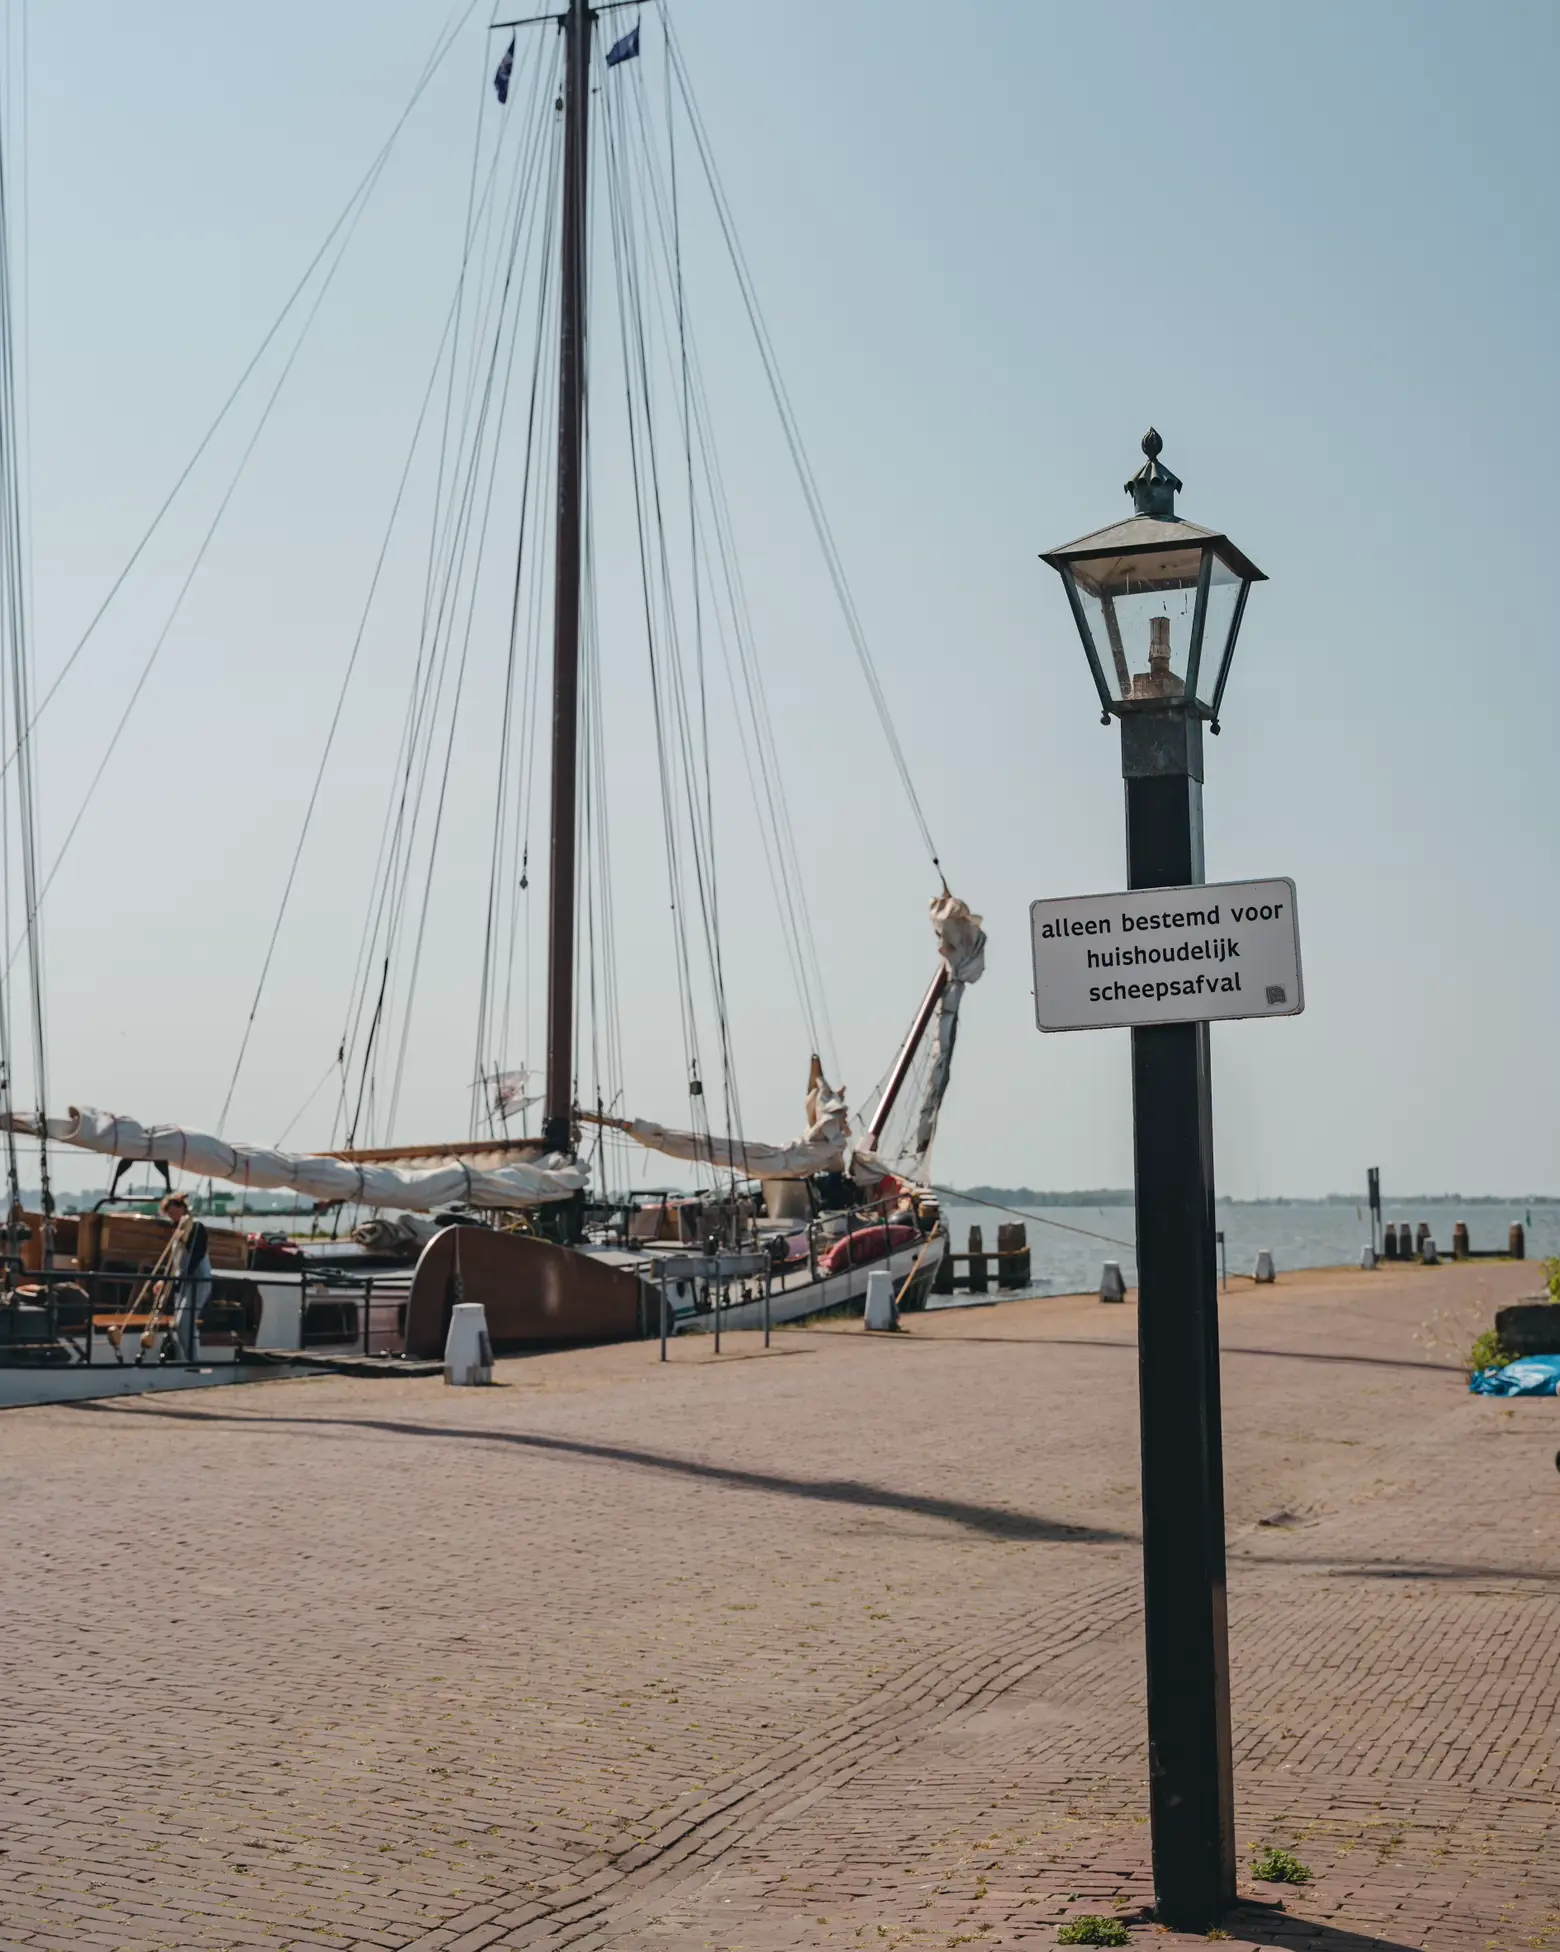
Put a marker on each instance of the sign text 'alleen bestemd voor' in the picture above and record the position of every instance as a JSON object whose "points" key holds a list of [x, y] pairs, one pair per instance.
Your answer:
{"points": [[1167, 955]]}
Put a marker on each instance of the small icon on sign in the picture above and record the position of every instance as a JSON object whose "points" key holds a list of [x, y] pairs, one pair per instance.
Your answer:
{"points": [[1276, 993]]}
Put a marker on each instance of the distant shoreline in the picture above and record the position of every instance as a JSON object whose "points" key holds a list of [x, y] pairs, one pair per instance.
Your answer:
{"points": [[1122, 1196]]}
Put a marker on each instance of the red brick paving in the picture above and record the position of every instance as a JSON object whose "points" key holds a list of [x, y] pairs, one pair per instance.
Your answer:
{"points": [[837, 1646]]}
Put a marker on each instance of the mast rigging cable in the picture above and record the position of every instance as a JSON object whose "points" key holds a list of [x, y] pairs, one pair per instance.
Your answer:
{"points": [[443, 42], [799, 458], [14, 630]]}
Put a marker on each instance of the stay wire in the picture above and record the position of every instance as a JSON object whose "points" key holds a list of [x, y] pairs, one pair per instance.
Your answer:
{"points": [[1029, 1213], [200, 555], [389, 830], [496, 871], [509, 869], [468, 233], [390, 885], [790, 427], [606, 1036], [473, 532], [679, 337], [335, 723], [695, 764], [530, 724], [659, 703], [760, 758], [636, 96], [307, 1104], [531, 571], [443, 42], [655, 595], [15, 545], [728, 1081], [681, 718]]}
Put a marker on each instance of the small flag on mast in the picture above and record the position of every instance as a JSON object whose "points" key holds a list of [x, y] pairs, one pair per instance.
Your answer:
{"points": [[509, 1091], [626, 49], [506, 68]]}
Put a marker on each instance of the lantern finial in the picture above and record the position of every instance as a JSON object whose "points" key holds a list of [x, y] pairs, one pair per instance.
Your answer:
{"points": [[1154, 488]]}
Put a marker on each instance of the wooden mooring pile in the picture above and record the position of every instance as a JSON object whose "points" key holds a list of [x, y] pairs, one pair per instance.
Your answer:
{"points": [[974, 1270], [1405, 1243]]}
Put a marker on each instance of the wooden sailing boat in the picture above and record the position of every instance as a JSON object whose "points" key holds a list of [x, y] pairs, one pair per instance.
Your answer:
{"points": [[799, 1223]]}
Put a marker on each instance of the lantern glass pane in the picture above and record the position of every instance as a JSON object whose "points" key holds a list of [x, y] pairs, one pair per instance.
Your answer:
{"points": [[1141, 609], [1223, 594], [1099, 621]]}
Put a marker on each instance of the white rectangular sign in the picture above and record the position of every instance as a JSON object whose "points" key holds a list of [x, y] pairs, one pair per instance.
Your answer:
{"points": [[1167, 955]]}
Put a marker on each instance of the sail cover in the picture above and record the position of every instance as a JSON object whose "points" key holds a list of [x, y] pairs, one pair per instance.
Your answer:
{"points": [[757, 1161], [418, 1190], [962, 941], [821, 1149]]}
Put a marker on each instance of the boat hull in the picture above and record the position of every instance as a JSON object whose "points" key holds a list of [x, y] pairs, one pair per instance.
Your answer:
{"points": [[536, 1294]]}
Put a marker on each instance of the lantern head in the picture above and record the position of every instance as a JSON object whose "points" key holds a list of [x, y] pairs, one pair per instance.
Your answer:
{"points": [[1157, 600]]}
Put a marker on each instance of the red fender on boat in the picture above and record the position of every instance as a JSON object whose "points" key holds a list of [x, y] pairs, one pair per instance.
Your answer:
{"points": [[868, 1243]]}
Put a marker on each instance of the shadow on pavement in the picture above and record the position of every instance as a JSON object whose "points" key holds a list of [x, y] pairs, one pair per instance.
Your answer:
{"points": [[1129, 1346], [989, 1520], [1397, 1569], [1267, 1925]]}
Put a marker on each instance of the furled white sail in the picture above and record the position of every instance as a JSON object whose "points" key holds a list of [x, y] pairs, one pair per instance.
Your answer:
{"points": [[962, 941], [419, 1191], [960, 938], [821, 1149], [794, 1161]]}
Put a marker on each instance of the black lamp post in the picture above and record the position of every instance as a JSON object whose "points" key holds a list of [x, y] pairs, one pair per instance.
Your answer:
{"points": [[1158, 603]]}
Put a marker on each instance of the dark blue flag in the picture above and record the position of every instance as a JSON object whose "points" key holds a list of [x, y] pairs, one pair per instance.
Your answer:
{"points": [[506, 68], [626, 49]]}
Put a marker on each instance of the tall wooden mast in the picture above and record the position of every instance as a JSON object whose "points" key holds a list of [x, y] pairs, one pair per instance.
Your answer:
{"points": [[559, 1103]]}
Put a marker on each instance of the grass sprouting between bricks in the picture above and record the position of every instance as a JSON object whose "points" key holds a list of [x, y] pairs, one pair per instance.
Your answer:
{"points": [[1093, 1931], [1279, 1867]]}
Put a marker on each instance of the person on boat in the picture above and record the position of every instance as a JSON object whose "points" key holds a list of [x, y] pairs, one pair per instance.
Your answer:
{"points": [[189, 1265]]}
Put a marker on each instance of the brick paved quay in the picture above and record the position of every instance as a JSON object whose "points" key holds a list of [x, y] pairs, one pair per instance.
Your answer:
{"points": [[833, 1646]]}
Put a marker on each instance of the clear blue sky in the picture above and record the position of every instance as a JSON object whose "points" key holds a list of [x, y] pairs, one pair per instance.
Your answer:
{"points": [[1317, 248]]}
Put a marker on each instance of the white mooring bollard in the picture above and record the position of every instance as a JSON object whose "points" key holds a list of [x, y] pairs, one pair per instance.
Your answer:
{"points": [[468, 1354], [1367, 1257], [1112, 1286], [1264, 1268], [1427, 1252], [881, 1313]]}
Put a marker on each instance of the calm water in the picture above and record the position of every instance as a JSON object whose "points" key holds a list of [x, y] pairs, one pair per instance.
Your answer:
{"points": [[1066, 1258]]}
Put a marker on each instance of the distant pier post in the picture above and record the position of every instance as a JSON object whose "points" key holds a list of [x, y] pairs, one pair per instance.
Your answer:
{"points": [[1460, 1247], [1013, 1255], [977, 1261]]}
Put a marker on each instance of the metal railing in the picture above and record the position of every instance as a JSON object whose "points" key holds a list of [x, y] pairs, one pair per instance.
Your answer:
{"points": [[711, 1278], [62, 1317]]}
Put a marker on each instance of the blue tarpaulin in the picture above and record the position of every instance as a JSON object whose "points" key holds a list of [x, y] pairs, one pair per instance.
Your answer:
{"points": [[1531, 1376]]}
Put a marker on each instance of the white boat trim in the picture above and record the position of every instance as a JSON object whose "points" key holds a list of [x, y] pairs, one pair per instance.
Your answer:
{"points": [[822, 1297]]}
